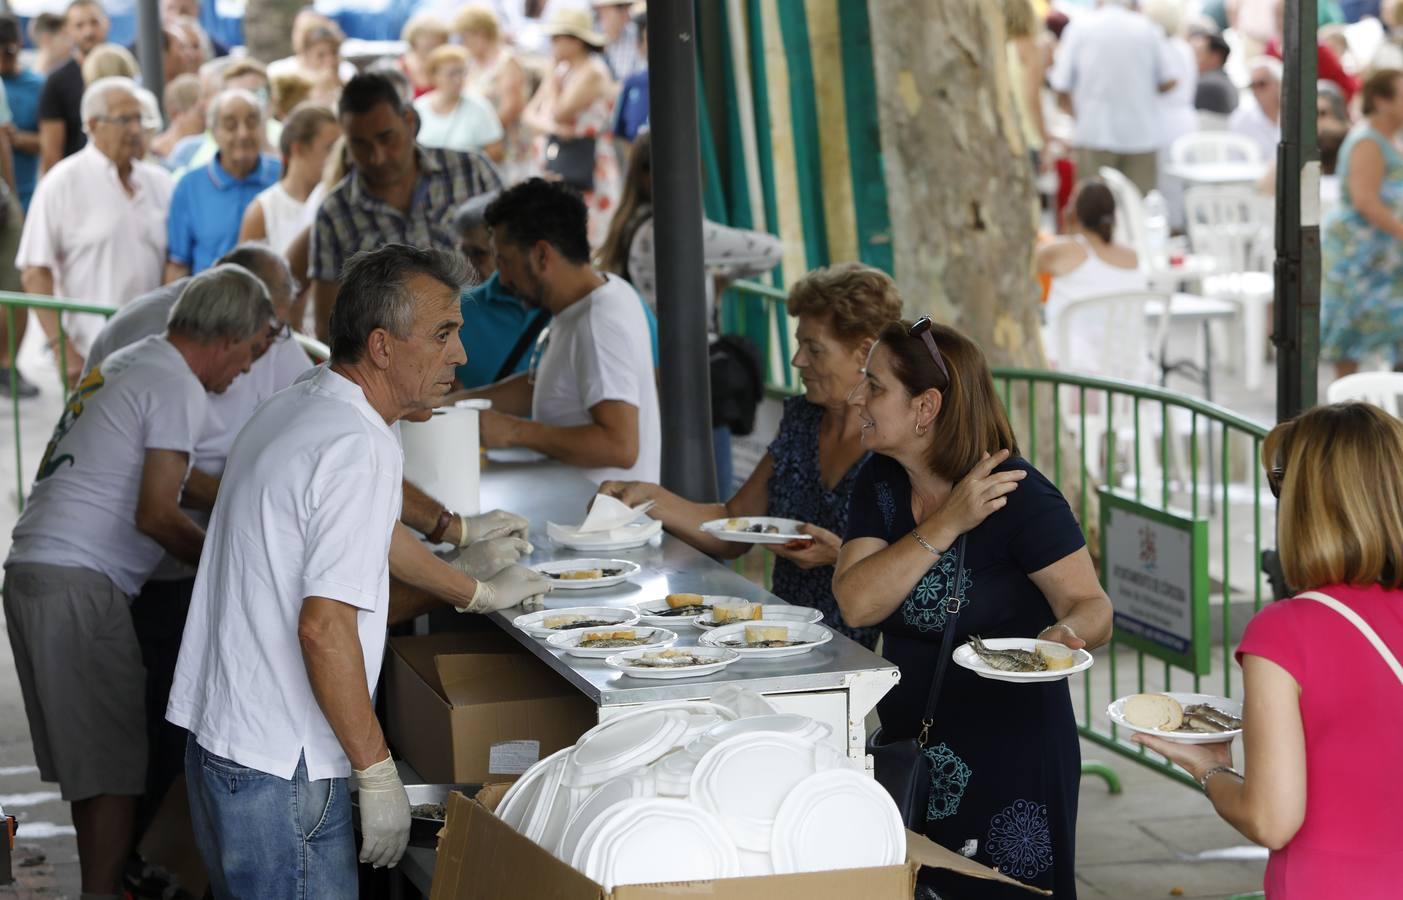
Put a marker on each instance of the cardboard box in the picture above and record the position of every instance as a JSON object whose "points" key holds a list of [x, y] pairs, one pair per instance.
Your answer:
{"points": [[477, 707], [480, 857]]}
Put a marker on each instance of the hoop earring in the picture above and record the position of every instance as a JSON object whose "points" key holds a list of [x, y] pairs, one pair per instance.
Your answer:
{"points": [[920, 432]]}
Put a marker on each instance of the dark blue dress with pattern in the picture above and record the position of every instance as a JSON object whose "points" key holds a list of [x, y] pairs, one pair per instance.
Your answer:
{"points": [[1007, 759], [796, 491]]}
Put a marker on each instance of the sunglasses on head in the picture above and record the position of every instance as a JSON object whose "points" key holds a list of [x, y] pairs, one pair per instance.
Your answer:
{"points": [[921, 328]]}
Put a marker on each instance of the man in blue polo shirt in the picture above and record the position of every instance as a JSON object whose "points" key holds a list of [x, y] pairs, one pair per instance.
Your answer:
{"points": [[209, 202], [499, 332]]}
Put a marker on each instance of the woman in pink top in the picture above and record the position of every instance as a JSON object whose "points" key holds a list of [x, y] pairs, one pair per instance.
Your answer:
{"points": [[1323, 719]]}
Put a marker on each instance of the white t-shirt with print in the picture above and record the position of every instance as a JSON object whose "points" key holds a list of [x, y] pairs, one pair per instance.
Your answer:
{"points": [[307, 505], [599, 349], [82, 511]]}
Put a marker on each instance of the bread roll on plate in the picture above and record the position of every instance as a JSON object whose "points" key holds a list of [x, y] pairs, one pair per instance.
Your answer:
{"points": [[1154, 711]]}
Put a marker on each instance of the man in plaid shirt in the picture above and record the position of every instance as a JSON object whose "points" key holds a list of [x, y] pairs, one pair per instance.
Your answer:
{"points": [[397, 191]]}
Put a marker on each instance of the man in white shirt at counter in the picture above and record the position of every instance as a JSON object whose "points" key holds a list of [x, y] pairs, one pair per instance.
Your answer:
{"points": [[286, 632], [592, 399], [104, 507]]}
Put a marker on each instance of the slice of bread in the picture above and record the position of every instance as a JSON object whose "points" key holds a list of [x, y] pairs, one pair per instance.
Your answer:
{"points": [[1154, 711], [624, 634], [754, 634], [581, 575], [560, 621], [735, 612], [1056, 656], [676, 600]]}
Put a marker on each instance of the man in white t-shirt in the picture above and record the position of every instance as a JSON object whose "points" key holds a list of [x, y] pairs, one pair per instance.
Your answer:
{"points": [[104, 507], [286, 631], [592, 399], [1260, 119]]}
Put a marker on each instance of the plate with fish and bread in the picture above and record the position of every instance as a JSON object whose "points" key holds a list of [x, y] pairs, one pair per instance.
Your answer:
{"points": [[547, 623], [767, 638], [583, 574], [603, 642], [727, 610], [677, 609], [1020, 660], [1179, 717], [756, 530]]}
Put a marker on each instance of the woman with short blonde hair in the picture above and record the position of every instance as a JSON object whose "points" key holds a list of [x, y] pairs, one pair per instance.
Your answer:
{"points": [[108, 61], [423, 34], [1322, 685], [452, 117], [496, 74]]}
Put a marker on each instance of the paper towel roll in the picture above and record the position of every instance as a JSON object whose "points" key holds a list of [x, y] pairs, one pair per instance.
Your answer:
{"points": [[442, 457]]}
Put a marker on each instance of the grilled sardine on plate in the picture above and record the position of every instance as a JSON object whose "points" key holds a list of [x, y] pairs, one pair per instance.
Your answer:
{"points": [[1008, 660]]}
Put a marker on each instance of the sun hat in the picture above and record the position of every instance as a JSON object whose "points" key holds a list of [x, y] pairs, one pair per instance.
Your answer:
{"points": [[575, 23]]}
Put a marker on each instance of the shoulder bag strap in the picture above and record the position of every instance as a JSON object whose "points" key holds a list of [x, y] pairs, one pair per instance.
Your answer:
{"points": [[523, 343], [947, 643], [1354, 619]]}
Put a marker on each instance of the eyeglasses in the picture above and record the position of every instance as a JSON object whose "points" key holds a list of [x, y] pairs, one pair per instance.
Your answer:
{"points": [[921, 328], [1274, 476], [124, 121]]}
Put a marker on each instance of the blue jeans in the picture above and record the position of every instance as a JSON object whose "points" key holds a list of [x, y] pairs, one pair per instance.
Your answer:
{"points": [[263, 837]]}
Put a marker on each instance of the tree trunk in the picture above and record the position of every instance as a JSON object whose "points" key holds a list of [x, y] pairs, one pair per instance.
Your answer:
{"points": [[268, 28], [958, 178]]}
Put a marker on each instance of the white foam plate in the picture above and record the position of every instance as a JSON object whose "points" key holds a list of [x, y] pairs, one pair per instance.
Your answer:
{"points": [[614, 615], [604, 754], [656, 840], [734, 530], [965, 657], [775, 612], [635, 534], [658, 639], [519, 800], [633, 785], [1116, 713], [690, 707], [802, 727], [626, 570], [815, 635], [548, 802], [839, 819], [622, 662], [744, 779]]}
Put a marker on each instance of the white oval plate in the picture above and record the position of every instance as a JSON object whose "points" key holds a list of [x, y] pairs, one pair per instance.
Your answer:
{"points": [[773, 612], [838, 819], [649, 611], [658, 639], [1116, 712], [615, 615], [743, 781], [626, 571], [965, 657], [644, 841], [604, 754], [734, 530], [816, 635], [622, 662]]}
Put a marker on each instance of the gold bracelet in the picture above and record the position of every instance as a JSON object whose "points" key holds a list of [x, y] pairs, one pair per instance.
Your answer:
{"points": [[925, 543]]}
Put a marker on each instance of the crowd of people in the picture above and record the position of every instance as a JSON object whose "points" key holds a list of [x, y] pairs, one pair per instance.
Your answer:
{"points": [[474, 219]]}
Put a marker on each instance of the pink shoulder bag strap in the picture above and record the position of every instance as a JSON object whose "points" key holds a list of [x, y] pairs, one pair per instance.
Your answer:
{"points": [[1370, 634]]}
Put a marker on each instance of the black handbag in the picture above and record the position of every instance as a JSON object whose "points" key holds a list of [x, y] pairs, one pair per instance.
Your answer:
{"points": [[573, 160], [902, 767]]}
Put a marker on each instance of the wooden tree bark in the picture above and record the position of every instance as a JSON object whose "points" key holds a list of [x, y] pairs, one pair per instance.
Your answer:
{"points": [[961, 189], [268, 28]]}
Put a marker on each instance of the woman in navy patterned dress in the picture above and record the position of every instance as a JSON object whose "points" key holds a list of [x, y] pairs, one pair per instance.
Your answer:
{"points": [[945, 463], [809, 470]]}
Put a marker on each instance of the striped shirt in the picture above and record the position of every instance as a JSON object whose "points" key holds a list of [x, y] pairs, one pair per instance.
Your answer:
{"points": [[351, 220]]}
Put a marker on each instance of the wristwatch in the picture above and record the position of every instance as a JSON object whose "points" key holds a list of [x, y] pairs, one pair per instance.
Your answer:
{"points": [[1203, 779]]}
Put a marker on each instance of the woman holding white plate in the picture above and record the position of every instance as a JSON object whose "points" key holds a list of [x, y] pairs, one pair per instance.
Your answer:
{"points": [[810, 468], [945, 465], [1322, 730]]}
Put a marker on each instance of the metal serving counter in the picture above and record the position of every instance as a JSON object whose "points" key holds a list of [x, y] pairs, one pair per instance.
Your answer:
{"points": [[838, 683]]}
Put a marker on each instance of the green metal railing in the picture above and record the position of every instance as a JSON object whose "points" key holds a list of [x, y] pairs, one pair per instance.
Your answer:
{"points": [[1164, 449], [13, 303]]}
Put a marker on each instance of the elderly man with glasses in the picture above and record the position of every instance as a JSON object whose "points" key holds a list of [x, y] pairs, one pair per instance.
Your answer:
{"points": [[97, 224]]}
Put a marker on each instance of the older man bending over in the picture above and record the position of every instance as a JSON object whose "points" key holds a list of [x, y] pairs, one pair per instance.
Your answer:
{"points": [[104, 507], [287, 626]]}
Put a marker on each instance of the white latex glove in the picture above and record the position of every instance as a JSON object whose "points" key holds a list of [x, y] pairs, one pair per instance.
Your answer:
{"points": [[511, 586], [487, 557], [384, 814], [495, 524]]}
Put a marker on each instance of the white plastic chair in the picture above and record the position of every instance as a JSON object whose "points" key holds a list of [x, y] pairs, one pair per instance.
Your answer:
{"points": [[1379, 388], [1233, 226], [1130, 214], [1214, 147], [1211, 121]]}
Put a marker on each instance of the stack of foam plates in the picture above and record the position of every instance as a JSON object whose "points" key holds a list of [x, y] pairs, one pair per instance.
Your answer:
{"points": [[836, 819], [655, 840]]}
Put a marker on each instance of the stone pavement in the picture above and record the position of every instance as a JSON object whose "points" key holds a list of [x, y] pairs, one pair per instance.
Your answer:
{"points": [[1156, 839]]}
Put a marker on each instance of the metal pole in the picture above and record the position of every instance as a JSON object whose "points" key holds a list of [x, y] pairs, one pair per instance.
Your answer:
{"points": [[150, 40], [1297, 270], [688, 464]]}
